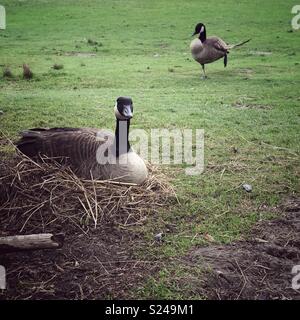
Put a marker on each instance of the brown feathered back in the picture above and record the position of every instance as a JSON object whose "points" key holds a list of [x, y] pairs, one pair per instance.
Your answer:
{"points": [[77, 146]]}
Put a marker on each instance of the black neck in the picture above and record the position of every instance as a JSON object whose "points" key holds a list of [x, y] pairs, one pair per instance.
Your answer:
{"points": [[202, 35], [122, 129]]}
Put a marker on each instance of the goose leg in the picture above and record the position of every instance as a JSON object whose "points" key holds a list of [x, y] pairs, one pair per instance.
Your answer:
{"points": [[203, 68], [225, 61]]}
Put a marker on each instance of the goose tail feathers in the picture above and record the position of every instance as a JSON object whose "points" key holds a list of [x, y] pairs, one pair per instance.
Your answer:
{"points": [[29, 143], [238, 44]]}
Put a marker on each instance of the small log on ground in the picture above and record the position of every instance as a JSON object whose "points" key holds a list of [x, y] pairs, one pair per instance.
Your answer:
{"points": [[31, 242]]}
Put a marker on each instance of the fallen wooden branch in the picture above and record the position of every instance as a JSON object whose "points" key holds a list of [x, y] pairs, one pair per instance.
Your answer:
{"points": [[31, 242]]}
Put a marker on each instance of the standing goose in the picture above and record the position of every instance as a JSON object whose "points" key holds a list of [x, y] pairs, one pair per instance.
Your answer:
{"points": [[94, 153], [206, 50]]}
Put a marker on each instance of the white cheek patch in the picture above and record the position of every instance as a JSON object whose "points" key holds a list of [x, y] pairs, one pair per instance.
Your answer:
{"points": [[118, 114], [202, 29]]}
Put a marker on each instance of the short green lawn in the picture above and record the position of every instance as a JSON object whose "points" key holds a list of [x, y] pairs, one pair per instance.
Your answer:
{"points": [[141, 48]]}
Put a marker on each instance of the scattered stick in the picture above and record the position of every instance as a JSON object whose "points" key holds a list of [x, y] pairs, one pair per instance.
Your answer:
{"points": [[31, 242]]}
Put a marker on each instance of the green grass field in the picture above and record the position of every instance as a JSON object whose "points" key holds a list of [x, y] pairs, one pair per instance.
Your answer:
{"points": [[142, 51]]}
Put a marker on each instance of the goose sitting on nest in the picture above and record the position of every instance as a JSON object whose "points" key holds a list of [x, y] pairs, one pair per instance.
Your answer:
{"points": [[207, 50], [92, 153]]}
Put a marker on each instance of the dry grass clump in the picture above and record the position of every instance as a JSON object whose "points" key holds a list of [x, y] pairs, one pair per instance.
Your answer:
{"points": [[27, 73], [58, 66], [7, 73]]}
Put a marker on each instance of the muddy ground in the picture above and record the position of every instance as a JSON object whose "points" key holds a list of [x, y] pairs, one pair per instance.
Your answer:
{"points": [[103, 264], [99, 222], [87, 267], [257, 268]]}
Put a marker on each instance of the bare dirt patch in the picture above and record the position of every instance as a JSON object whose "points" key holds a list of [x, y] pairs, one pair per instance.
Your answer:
{"points": [[80, 54], [261, 53], [257, 268], [240, 105]]}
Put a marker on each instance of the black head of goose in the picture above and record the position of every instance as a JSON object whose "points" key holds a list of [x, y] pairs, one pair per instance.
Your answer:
{"points": [[209, 49], [91, 153]]}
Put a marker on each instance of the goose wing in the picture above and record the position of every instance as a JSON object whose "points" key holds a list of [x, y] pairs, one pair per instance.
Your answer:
{"points": [[217, 44], [76, 144]]}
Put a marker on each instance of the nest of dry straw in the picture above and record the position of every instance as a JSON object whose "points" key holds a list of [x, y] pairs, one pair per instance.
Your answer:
{"points": [[47, 196]]}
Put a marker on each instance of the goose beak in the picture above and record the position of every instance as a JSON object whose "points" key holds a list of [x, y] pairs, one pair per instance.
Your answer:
{"points": [[193, 34], [127, 112]]}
